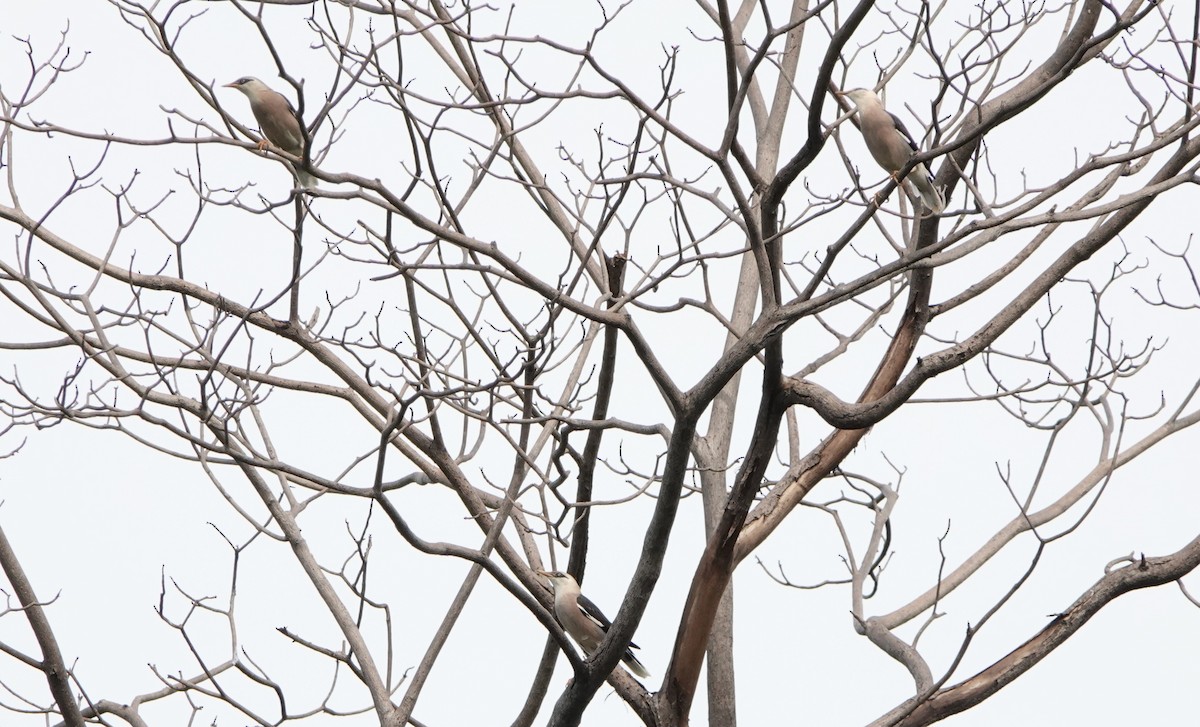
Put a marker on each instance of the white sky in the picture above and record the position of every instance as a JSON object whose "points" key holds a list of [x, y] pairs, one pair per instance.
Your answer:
{"points": [[99, 521]]}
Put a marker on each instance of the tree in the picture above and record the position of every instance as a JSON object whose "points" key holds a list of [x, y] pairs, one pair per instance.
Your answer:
{"points": [[561, 274]]}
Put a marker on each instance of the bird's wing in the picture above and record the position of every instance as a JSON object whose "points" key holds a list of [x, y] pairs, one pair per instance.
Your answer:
{"points": [[279, 123], [900, 127], [593, 612]]}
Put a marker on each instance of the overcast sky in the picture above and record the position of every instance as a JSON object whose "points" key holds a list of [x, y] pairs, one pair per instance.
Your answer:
{"points": [[101, 522]]}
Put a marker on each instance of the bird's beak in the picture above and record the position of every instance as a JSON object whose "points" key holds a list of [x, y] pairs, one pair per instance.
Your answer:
{"points": [[229, 85], [543, 573]]}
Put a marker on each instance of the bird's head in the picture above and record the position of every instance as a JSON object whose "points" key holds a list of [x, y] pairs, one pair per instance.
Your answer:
{"points": [[557, 578], [248, 85], [861, 96]]}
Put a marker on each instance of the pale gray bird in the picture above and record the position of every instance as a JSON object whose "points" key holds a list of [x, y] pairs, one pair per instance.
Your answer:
{"points": [[892, 146], [582, 619], [277, 120]]}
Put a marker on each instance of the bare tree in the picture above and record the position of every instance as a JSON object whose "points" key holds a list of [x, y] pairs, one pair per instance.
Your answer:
{"points": [[570, 272]]}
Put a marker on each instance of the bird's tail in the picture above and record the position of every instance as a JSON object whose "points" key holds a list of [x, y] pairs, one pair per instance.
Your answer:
{"points": [[305, 179], [922, 181], [634, 665]]}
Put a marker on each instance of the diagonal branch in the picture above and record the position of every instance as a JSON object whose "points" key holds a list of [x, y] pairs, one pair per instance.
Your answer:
{"points": [[52, 665], [1142, 573]]}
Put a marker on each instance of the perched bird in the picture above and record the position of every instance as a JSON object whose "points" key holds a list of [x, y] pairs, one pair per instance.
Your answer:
{"points": [[892, 146], [277, 120], [583, 620]]}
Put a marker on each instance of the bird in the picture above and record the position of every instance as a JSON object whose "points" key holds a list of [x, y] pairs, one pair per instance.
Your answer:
{"points": [[277, 120], [892, 146], [583, 620]]}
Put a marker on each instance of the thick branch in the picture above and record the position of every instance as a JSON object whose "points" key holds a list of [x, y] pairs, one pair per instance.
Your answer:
{"points": [[57, 674], [1144, 573]]}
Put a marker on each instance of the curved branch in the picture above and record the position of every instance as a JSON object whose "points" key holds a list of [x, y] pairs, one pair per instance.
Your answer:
{"points": [[1143, 573], [52, 664]]}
